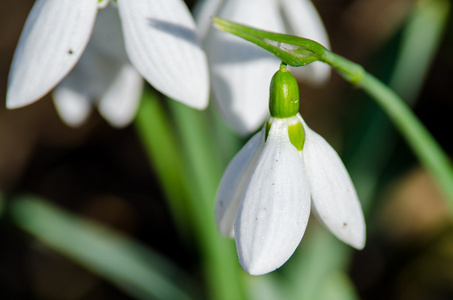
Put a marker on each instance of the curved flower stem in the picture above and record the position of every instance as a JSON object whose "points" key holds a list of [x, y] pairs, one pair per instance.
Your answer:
{"points": [[417, 136]]}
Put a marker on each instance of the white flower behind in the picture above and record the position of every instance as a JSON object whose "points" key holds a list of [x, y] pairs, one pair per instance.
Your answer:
{"points": [[240, 70], [158, 38], [266, 192], [103, 76]]}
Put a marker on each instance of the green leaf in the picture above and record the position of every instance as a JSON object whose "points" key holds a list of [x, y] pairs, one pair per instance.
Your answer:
{"points": [[125, 263]]}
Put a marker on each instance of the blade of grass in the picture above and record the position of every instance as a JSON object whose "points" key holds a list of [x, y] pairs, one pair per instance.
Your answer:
{"points": [[190, 184], [164, 154], [204, 167], [127, 264]]}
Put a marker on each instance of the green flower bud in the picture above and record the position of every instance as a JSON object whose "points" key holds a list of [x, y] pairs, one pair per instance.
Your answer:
{"points": [[283, 94]]}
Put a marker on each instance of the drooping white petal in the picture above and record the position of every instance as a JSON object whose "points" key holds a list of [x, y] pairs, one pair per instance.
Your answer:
{"points": [[233, 182], [54, 36], [240, 70], [74, 96], [120, 102], [274, 210], [162, 44], [203, 13], [74, 107], [334, 197], [102, 63], [303, 20]]}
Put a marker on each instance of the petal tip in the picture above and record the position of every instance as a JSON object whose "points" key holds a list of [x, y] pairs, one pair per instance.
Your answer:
{"points": [[258, 265], [359, 241], [355, 237], [13, 100]]}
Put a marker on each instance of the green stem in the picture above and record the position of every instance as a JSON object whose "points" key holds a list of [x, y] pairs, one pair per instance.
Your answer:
{"points": [[415, 133], [164, 154], [189, 172], [203, 171], [417, 136]]}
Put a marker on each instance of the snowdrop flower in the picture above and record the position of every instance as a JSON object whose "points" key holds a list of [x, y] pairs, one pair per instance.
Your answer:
{"points": [[267, 190], [239, 70], [155, 39]]}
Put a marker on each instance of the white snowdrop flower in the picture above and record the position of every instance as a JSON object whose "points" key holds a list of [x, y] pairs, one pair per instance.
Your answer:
{"points": [[108, 47], [267, 190], [240, 70]]}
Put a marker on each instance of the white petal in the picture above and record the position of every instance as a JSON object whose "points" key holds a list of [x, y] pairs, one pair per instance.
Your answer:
{"points": [[241, 71], [107, 37], [334, 197], [120, 102], [52, 41], [203, 12], [233, 182], [304, 21], [72, 106], [274, 211], [162, 44], [96, 75], [103, 3], [74, 96]]}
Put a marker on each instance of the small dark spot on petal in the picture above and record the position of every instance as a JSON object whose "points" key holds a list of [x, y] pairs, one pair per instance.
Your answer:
{"points": [[345, 224], [70, 52]]}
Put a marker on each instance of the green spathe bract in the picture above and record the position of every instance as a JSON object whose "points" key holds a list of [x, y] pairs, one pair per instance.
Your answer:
{"points": [[283, 94]]}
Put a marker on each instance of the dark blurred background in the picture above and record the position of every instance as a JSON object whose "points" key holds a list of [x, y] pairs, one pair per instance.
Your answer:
{"points": [[102, 173]]}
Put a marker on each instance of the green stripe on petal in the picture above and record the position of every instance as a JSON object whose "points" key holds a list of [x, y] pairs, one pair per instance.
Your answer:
{"points": [[268, 128], [296, 135]]}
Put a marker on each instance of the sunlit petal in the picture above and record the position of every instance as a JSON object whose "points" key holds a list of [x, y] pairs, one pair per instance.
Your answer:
{"points": [[334, 197], [162, 43], [240, 70], [274, 210], [233, 182], [52, 41]]}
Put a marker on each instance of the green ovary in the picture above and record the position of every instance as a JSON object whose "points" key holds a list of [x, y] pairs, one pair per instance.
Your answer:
{"points": [[283, 94]]}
